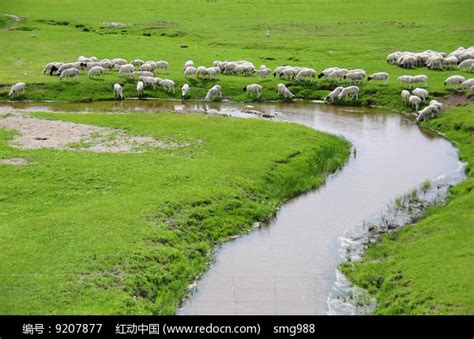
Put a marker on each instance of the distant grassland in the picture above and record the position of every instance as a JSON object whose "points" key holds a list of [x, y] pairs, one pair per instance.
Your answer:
{"points": [[89, 233], [318, 34]]}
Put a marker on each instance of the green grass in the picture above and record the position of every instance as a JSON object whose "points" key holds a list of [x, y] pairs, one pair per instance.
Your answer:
{"points": [[319, 34], [89, 233], [427, 267]]}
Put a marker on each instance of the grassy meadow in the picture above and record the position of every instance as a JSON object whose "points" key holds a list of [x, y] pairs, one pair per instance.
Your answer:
{"points": [[318, 34], [88, 233]]}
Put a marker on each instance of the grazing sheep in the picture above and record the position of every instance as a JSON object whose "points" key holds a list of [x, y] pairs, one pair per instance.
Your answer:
{"points": [[146, 67], [454, 80], [420, 92], [450, 62], [190, 71], [405, 96], [466, 64], [150, 80], [277, 72], [420, 78], [168, 85], [427, 112], [244, 69], [126, 70], [407, 61], [17, 88], [379, 76], [338, 74], [407, 79], [52, 67], [333, 95], [96, 71], [137, 62], [118, 62], [118, 91], [213, 92], [254, 88], [264, 71], [69, 73], [283, 91], [185, 91], [289, 73], [357, 77], [106, 64], [351, 90], [63, 67], [140, 87], [436, 104], [143, 74], [325, 73], [162, 64], [468, 83], [392, 57], [435, 62], [212, 72], [189, 63], [201, 72], [414, 101], [307, 73], [153, 64]]}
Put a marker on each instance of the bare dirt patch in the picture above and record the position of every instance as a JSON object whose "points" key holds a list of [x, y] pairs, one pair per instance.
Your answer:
{"points": [[37, 133], [456, 100], [14, 161]]}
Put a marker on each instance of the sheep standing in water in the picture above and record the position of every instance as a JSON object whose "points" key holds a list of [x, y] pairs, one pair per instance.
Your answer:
{"points": [[17, 88], [351, 90], [333, 95], [140, 87], [213, 92], [254, 88], [118, 91], [379, 76], [283, 91], [185, 91], [69, 73]]}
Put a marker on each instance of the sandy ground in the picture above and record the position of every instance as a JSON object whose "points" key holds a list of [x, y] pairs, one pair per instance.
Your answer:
{"points": [[14, 161], [34, 133]]}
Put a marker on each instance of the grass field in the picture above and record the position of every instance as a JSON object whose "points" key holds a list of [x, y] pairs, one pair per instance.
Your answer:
{"points": [[166, 206], [89, 233], [319, 34], [427, 268]]}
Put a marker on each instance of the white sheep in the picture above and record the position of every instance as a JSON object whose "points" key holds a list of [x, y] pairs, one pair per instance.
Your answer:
{"points": [[466, 64], [437, 104], [17, 88], [52, 67], [427, 112], [140, 87], [420, 78], [407, 61], [333, 95], [264, 71], [420, 92], [118, 62], [213, 92], [69, 73], [379, 76], [407, 79], [162, 64], [189, 63], [306, 73], [126, 70], [63, 67], [146, 67], [168, 85], [435, 62], [450, 62], [356, 76], [414, 101], [405, 96], [392, 57], [351, 90], [185, 91], [118, 91], [96, 71], [338, 74], [454, 80], [325, 73], [468, 83], [254, 88], [137, 62], [106, 64], [283, 91], [143, 74], [190, 71], [150, 80]]}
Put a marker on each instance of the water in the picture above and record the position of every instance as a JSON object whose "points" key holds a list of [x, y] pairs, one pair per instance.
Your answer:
{"points": [[288, 266]]}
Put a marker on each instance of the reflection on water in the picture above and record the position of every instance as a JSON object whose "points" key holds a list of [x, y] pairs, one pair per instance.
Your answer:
{"points": [[289, 266]]}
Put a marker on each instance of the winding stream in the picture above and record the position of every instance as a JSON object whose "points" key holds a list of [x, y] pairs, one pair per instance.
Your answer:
{"points": [[288, 266]]}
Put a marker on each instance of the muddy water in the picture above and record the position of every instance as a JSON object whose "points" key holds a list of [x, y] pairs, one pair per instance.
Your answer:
{"points": [[288, 266]]}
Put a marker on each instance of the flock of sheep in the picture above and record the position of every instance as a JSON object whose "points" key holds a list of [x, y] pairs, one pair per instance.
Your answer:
{"points": [[144, 73], [461, 58]]}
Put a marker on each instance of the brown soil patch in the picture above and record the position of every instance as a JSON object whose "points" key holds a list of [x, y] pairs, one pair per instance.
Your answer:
{"points": [[456, 100], [37, 133]]}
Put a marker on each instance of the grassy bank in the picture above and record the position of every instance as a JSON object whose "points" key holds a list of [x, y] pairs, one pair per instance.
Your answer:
{"points": [[103, 233], [427, 267], [351, 34]]}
